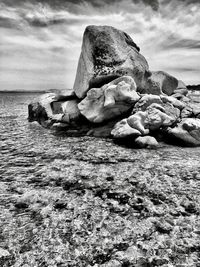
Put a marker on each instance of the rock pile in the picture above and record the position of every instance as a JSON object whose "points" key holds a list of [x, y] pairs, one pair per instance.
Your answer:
{"points": [[116, 95]]}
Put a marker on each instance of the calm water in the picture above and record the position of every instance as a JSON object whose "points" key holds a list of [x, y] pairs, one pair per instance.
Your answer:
{"points": [[39, 167], [27, 147]]}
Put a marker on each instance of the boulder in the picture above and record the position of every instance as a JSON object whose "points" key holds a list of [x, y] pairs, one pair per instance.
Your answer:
{"points": [[188, 131], [143, 122], [146, 141], [187, 112], [107, 53], [172, 100], [122, 129], [109, 101], [168, 104], [181, 88], [145, 101], [160, 82], [52, 108]]}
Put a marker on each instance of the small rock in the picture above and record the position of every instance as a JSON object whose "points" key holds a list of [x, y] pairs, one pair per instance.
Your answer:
{"points": [[4, 253], [146, 141]]}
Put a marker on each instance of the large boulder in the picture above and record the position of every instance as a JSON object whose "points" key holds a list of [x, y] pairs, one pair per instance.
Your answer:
{"points": [[160, 82], [109, 101], [188, 131], [53, 108], [108, 53], [169, 104], [154, 117]]}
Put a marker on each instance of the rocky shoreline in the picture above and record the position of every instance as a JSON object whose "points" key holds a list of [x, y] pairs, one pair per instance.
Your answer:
{"points": [[116, 95]]}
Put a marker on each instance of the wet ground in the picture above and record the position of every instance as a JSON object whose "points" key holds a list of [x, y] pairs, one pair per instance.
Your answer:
{"points": [[83, 201]]}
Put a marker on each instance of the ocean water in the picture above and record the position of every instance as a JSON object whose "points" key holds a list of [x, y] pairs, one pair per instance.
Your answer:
{"points": [[27, 147], [55, 190]]}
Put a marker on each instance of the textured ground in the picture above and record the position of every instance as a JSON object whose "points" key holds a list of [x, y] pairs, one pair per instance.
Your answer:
{"points": [[88, 202], [98, 204]]}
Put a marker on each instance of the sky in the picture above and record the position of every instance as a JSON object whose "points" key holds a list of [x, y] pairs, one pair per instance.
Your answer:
{"points": [[40, 41]]}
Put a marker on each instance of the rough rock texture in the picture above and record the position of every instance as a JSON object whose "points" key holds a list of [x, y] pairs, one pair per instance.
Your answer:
{"points": [[188, 130], [160, 82], [109, 101], [52, 108], [142, 122], [150, 113], [116, 95], [146, 141], [107, 53], [181, 88]]}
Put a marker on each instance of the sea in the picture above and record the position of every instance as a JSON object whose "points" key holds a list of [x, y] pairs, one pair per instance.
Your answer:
{"points": [[79, 201], [24, 146]]}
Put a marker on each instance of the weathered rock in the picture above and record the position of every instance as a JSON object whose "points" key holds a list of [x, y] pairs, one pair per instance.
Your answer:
{"points": [[145, 101], [51, 107], [138, 122], [158, 116], [4, 253], [107, 53], [187, 112], [168, 104], [181, 88], [188, 131], [153, 118], [122, 129], [113, 81], [172, 100], [109, 101], [146, 141], [160, 82]]}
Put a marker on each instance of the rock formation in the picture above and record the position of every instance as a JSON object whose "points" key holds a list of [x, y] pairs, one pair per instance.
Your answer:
{"points": [[109, 101], [188, 131], [107, 53], [116, 95]]}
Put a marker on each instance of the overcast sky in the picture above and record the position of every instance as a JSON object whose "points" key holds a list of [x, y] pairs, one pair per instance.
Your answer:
{"points": [[40, 41]]}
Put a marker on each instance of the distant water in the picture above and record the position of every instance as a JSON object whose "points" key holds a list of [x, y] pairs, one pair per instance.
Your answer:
{"points": [[23, 144]]}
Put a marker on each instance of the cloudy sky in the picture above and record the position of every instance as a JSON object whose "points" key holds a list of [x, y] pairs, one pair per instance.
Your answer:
{"points": [[40, 41]]}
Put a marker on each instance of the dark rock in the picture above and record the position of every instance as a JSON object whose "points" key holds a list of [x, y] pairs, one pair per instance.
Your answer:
{"points": [[107, 53]]}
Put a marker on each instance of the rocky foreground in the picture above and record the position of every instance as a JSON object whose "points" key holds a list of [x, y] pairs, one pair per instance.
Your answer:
{"points": [[71, 204], [116, 95]]}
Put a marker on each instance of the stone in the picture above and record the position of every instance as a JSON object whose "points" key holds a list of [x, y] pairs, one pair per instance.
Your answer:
{"points": [[167, 104], [158, 117], [175, 102], [188, 131], [107, 53], [51, 108], [146, 141], [153, 118], [109, 101], [138, 121], [160, 82], [187, 112], [4, 253], [181, 88], [122, 129], [145, 101]]}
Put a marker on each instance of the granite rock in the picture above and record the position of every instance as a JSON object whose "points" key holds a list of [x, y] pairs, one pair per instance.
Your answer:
{"points": [[188, 131], [109, 101], [107, 53]]}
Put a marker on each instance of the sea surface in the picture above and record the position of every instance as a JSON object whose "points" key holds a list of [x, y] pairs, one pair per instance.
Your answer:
{"points": [[23, 143], [55, 190]]}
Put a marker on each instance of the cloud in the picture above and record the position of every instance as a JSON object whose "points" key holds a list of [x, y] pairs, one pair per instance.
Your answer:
{"points": [[66, 3], [177, 43], [41, 40]]}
